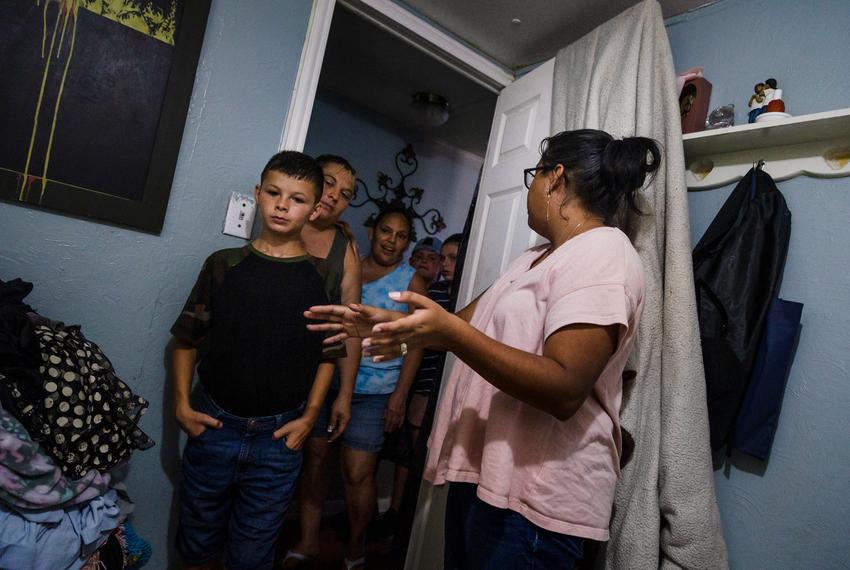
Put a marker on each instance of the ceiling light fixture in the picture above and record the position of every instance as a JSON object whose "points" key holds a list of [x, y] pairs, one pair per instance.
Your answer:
{"points": [[430, 109]]}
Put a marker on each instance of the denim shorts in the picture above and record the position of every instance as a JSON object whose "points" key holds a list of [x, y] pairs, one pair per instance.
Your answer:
{"points": [[479, 536], [236, 485], [365, 431]]}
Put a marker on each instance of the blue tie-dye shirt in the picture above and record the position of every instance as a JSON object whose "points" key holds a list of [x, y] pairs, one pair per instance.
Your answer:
{"points": [[381, 377]]}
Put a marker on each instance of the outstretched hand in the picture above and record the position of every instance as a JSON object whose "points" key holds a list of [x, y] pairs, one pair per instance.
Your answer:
{"points": [[426, 327], [352, 321]]}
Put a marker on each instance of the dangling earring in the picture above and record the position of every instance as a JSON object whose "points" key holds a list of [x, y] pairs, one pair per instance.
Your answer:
{"points": [[548, 198]]}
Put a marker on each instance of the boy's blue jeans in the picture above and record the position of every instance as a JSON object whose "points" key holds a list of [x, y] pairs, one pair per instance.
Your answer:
{"points": [[479, 536], [236, 486]]}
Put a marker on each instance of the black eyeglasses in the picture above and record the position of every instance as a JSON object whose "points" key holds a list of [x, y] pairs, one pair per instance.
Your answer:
{"points": [[530, 173]]}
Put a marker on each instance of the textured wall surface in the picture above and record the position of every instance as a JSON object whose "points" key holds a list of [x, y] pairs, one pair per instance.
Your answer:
{"points": [[124, 287], [371, 141], [792, 512]]}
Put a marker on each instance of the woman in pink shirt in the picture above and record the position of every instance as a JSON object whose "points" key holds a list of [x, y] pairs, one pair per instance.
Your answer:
{"points": [[527, 430]]}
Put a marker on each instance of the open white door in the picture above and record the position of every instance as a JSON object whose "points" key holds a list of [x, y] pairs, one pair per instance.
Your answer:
{"points": [[499, 233], [500, 230]]}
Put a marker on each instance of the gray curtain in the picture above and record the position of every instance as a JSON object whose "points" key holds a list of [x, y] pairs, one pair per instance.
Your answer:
{"points": [[620, 78]]}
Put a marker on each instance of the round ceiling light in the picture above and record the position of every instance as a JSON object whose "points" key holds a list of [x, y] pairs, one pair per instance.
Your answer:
{"points": [[430, 109]]}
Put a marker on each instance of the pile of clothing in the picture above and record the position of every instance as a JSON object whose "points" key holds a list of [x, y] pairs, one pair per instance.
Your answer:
{"points": [[68, 426]]}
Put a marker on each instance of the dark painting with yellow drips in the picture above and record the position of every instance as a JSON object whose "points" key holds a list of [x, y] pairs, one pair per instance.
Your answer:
{"points": [[82, 88]]}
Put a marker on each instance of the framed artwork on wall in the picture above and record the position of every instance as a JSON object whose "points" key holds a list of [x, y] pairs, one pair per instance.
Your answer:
{"points": [[93, 100]]}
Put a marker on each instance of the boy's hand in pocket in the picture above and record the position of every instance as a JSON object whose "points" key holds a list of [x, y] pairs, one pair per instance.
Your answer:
{"points": [[294, 433], [195, 423]]}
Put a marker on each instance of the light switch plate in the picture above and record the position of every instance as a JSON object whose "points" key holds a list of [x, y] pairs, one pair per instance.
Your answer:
{"points": [[240, 215]]}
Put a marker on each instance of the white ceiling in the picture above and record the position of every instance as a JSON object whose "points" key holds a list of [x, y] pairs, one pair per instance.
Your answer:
{"points": [[377, 70], [546, 25]]}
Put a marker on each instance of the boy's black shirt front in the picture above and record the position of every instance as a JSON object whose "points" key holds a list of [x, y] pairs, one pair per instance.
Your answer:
{"points": [[245, 317]]}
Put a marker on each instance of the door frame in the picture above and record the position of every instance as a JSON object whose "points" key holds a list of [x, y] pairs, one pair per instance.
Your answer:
{"points": [[422, 35], [397, 20]]}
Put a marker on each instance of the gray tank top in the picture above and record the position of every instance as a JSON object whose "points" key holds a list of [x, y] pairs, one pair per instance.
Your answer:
{"points": [[333, 267]]}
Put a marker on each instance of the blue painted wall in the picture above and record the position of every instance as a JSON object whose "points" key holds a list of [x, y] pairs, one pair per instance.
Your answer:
{"points": [[125, 287], [793, 513], [370, 142]]}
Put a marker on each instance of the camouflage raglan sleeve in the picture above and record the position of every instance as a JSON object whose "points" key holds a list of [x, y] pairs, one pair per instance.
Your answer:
{"points": [[193, 324]]}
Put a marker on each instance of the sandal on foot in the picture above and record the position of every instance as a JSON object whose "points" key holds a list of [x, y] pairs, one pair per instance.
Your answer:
{"points": [[294, 559], [351, 564]]}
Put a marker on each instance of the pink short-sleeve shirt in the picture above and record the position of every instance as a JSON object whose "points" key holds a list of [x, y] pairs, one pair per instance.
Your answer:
{"points": [[560, 475]]}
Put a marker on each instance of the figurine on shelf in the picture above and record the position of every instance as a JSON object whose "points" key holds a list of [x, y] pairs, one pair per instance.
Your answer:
{"points": [[773, 103], [774, 106], [769, 90], [757, 101]]}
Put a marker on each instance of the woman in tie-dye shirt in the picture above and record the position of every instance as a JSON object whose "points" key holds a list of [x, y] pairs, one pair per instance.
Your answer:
{"points": [[381, 390]]}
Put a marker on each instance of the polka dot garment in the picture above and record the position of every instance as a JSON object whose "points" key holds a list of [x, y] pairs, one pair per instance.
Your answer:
{"points": [[85, 416]]}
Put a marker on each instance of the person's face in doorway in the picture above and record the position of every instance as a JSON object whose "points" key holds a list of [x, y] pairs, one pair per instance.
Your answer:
{"points": [[284, 204], [390, 238], [448, 260], [426, 262], [336, 194]]}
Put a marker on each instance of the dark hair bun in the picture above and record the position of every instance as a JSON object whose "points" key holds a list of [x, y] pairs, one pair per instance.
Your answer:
{"points": [[626, 163], [605, 173]]}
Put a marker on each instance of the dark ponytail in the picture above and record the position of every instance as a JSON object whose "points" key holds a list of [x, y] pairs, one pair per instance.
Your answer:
{"points": [[604, 173]]}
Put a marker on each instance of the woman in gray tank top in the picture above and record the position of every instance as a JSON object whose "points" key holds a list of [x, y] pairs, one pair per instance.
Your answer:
{"points": [[332, 244]]}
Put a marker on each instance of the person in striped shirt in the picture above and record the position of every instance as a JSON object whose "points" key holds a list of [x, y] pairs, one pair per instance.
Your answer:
{"points": [[400, 446]]}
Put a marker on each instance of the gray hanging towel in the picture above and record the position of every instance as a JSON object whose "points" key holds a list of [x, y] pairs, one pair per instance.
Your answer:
{"points": [[620, 78]]}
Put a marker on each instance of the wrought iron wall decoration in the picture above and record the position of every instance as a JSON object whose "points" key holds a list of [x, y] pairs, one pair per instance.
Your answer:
{"points": [[398, 196]]}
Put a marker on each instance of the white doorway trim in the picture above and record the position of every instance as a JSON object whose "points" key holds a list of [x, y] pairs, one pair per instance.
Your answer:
{"points": [[424, 36], [294, 132], [400, 22]]}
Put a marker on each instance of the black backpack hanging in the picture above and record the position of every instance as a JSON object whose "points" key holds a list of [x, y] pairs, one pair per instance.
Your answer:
{"points": [[738, 264]]}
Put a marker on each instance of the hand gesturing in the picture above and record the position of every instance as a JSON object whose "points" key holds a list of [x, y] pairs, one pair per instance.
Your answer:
{"points": [[352, 321], [425, 327]]}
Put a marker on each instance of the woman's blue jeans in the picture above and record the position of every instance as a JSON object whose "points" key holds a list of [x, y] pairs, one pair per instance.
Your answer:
{"points": [[481, 536]]}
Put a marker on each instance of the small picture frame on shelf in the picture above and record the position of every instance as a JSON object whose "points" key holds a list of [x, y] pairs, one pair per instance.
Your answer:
{"points": [[693, 104]]}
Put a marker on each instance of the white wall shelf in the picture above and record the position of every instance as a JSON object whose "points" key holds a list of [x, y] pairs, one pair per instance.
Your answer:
{"points": [[816, 145]]}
